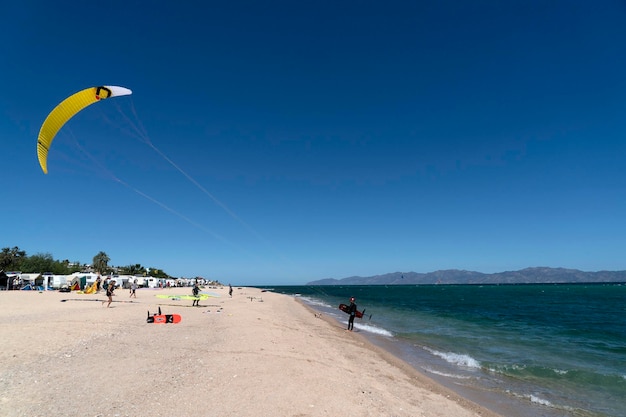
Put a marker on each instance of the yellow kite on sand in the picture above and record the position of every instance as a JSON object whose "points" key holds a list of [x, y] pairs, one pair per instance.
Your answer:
{"points": [[92, 288], [66, 110]]}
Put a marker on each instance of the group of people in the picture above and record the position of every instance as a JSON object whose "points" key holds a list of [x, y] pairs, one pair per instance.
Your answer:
{"points": [[109, 286], [15, 283]]}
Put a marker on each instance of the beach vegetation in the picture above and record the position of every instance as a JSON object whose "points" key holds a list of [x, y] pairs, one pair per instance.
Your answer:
{"points": [[158, 273], [140, 270], [134, 270], [10, 258], [16, 259], [101, 263], [41, 262]]}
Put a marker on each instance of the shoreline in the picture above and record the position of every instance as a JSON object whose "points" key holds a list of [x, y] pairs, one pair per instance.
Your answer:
{"points": [[255, 354], [419, 378]]}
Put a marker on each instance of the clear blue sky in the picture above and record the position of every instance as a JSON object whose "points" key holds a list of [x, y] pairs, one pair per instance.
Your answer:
{"points": [[295, 141]]}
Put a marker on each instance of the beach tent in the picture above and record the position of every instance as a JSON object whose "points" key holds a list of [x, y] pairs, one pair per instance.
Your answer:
{"points": [[41, 281], [13, 280], [80, 282], [29, 278], [4, 281], [31, 287], [91, 289]]}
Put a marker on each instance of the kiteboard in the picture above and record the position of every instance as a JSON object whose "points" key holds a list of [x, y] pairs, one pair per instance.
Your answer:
{"points": [[210, 294], [163, 318], [183, 297], [346, 309]]}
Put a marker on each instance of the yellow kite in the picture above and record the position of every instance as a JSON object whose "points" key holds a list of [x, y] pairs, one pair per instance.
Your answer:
{"points": [[66, 110]]}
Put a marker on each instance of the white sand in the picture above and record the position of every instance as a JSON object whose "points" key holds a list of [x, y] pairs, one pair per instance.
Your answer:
{"points": [[256, 354]]}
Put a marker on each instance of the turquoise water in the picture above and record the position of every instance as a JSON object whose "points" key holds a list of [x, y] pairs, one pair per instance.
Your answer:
{"points": [[530, 350]]}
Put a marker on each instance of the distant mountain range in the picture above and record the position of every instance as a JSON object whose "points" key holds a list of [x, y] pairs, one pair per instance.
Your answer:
{"points": [[537, 275]]}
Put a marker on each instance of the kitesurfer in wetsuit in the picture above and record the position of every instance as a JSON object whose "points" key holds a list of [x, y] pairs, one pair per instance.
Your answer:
{"points": [[352, 313]]}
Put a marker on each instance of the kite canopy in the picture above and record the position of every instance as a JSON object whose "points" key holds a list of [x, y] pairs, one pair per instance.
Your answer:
{"points": [[66, 110]]}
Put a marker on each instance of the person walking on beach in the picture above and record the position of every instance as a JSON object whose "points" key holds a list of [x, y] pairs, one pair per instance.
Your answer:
{"points": [[133, 289], [352, 313], [110, 288], [196, 292], [230, 291]]}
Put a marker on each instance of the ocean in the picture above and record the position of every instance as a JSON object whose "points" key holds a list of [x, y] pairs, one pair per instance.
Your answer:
{"points": [[520, 350]]}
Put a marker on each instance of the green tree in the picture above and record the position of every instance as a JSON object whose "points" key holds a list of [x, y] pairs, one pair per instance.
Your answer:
{"points": [[136, 269], [158, 273], [40, 263], [11, 258], [70, 267], [101, 262]]}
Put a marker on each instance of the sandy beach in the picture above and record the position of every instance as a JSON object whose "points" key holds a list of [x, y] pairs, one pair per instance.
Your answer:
{"points": [[255, 354]]}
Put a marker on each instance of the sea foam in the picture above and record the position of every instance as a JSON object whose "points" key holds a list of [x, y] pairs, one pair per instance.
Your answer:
{"points": [[456, 358], [446, 374], [537, 400], [315, 302], [373, 329]]}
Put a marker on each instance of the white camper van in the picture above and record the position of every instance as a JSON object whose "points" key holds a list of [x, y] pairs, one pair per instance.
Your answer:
{"points": [[55, 281]]}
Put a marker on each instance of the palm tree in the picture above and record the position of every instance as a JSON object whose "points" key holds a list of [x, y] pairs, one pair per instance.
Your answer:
{"points": [[136, 269], [101, 262]]}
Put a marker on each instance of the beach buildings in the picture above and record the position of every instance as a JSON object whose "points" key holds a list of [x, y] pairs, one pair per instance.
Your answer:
{"points": [[15, 280]]}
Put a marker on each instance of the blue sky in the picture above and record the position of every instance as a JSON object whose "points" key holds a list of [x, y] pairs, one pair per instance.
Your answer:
{"points": [[284, 142]]}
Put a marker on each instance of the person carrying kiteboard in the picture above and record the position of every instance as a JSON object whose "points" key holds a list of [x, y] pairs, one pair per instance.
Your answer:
{"points": [[352, 313]]}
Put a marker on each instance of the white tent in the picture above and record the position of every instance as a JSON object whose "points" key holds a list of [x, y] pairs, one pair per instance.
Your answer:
{"points": [[29, 277]]}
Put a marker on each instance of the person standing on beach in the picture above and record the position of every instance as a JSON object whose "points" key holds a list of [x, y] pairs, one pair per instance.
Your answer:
{"points": [[230, 291], [133, 289], [352, 313], [196, 292], [110, 288]]}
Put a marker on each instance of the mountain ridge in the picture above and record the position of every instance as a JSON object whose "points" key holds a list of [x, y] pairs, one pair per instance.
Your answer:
{"points": [[531, 275]]}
